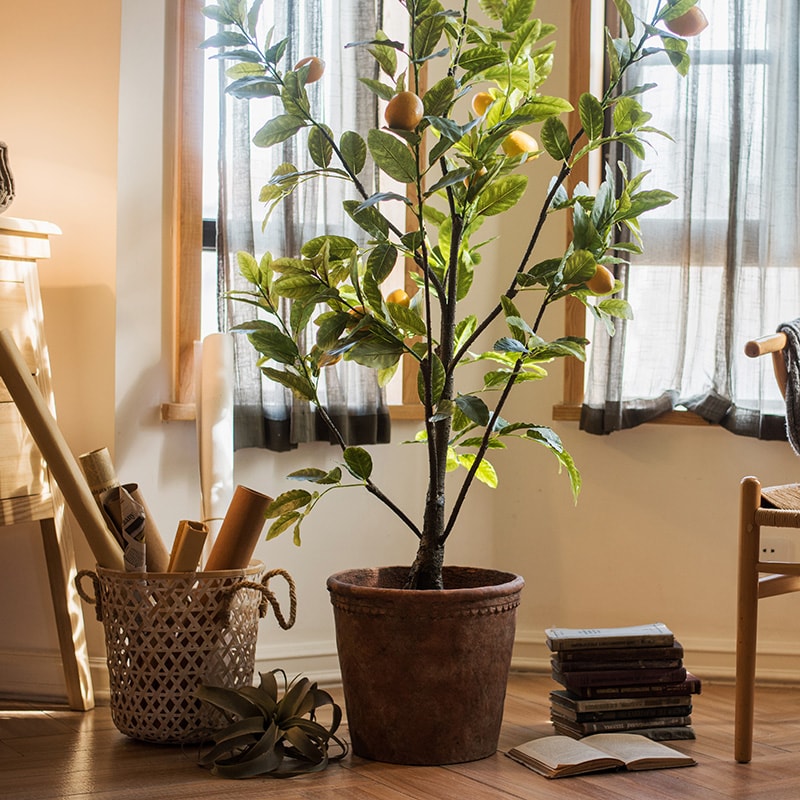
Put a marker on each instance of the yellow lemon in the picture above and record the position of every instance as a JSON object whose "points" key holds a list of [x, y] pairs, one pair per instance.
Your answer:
{"points": [[480, 102], [602, 282], [398, 296], [519, 142], [404, 111], [689, 24], [315, 70]]}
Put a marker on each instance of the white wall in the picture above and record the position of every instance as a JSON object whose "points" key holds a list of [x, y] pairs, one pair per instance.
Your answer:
{"points": [[652, 538]]}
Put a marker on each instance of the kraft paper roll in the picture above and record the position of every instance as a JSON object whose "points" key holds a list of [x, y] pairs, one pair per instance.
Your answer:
{"points": [[240, 530], [188, 546], [53, 447], [214, 393]]}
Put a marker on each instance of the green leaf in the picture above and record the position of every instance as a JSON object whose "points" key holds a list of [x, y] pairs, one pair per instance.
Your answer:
{"points": [[300, 387], [340, 248], [516, 13], [550, 439], [646, 201], [297, 286], [438, 99], [367, 218], [485, 472], [385, 55], [377, 87], [226, 39], [392, 156], [524, 38], [283, 523], [274, 344], [407, 319], [354, 151], [493, 8], [331, 327], [676, 52], [555, 139], [437, 378], [626, 15], [288, 501], [592, 116], [501, 195], [426, 34], [616, 308], [473, 408], [319, 145], [381, 261], [277, 130], [376, 353], [358, 462], [481, 58]]}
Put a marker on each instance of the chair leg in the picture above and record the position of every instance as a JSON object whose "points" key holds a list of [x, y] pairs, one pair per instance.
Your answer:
{"points": [[747, 619]]}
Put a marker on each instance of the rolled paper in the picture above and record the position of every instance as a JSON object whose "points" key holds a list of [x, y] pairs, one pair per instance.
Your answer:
{"points": [[188, 546], [240, 530], [128, 517], [155, 550], [99, 470], [53, 447], [214, 393]]}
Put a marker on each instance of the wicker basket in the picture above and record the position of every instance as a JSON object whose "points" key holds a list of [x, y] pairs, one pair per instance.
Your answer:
{"points": [[166, 633]]}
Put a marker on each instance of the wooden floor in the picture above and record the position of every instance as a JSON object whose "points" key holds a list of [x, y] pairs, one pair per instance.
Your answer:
{"points": [[56, 753]]}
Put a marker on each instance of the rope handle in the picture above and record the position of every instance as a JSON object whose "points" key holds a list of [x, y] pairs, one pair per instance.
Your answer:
{"points": [[268, 597], [92, 601]]}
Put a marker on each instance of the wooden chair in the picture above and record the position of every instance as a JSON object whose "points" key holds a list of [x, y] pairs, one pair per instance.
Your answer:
{"points": [[774, 507]]}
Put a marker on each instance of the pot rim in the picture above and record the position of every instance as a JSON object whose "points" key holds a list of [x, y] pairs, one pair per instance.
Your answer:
{"points": [[498, 583]]}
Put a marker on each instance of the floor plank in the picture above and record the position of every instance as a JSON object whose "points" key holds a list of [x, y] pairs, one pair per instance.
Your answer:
{"points": [[55, 754]]}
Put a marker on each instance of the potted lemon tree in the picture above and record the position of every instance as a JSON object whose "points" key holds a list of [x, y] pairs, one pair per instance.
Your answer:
{"points": [[460, 147]]}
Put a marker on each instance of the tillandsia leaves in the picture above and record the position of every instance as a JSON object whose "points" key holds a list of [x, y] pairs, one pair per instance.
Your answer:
{"points": [[464, 160], [273, 735]]}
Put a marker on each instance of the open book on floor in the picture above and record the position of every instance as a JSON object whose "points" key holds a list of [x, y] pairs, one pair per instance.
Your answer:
{"points": [[561, 756]]}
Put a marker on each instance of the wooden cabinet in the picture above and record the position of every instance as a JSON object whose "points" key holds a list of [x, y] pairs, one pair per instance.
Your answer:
{"points": [[26, 491]]}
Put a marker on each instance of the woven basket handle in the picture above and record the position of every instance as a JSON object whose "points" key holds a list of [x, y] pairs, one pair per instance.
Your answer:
{"points": [[268, 598], [92, 601]]}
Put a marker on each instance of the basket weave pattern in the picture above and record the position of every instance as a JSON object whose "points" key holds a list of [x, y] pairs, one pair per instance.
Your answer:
{"points": [[168, 633]]}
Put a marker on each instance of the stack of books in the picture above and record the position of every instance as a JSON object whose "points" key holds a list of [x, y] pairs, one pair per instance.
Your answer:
{"points": [[621, 679]]}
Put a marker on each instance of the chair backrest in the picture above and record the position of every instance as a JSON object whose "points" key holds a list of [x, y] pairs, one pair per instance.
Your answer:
{"points": [[773, 344]]}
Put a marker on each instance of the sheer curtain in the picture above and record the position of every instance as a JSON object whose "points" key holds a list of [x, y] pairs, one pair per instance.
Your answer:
{"points": [[722, 263], [266, 414]]}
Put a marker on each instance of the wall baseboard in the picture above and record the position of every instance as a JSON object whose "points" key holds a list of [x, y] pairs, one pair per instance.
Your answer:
{"points": [[37, 675]]}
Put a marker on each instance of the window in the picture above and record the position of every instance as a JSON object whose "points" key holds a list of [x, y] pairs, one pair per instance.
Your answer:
{"points": [[721, 263]]}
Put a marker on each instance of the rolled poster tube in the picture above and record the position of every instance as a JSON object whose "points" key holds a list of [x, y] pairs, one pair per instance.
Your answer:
{"points": [[240, 531]]}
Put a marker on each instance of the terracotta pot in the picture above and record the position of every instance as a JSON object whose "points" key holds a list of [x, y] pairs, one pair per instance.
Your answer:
{"points": [[424, 672]]}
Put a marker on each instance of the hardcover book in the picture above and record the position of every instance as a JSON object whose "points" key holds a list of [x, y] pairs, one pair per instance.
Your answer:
{"points": [[601, 665], [563, 756], [568, 700], [612, 654], [565, 726], [691, 685], [565, 713], [619, 677], [653, 634]]}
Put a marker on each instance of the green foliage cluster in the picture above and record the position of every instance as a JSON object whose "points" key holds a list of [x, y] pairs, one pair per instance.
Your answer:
{"points": [[459, 175]]}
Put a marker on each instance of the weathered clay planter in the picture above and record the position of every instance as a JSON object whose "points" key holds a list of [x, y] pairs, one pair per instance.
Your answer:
{"points": [[424, 672]]}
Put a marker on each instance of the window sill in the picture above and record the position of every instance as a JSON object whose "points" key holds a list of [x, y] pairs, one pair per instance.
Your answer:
{"points": [[570, 412]]}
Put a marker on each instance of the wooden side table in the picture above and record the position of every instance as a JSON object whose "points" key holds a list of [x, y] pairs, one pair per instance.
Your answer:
{"points": [[26, 491]]}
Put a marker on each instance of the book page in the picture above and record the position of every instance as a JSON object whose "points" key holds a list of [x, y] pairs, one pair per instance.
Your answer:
{"points": [[563, 751], [632, 747]]}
